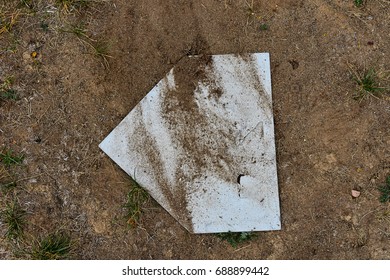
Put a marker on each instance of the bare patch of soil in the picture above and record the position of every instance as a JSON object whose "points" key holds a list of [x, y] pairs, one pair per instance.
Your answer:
{"points": [[69, 99]]}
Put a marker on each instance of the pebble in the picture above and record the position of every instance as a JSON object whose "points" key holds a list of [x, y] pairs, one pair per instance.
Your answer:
{"points": [[355, 193]]}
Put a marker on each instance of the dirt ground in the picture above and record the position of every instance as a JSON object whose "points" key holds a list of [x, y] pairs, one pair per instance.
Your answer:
{"points": [[71, 95]]}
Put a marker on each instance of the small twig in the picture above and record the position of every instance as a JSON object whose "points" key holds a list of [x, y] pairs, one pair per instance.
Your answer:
{"points": [[387, 2], [370, 212], [384, 232], [242, 248]]}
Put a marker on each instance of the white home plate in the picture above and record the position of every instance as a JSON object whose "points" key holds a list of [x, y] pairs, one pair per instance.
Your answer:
{"points": [[202, 144]]}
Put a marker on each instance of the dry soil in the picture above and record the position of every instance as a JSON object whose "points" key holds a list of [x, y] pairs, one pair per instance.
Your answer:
{"points": [[71, 96]]}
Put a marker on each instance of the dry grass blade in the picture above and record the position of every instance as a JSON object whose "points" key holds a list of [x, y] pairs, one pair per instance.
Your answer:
{"points": [[77, 29], [250, 12], [71, 5], [8, 21], [6, 181], [385, 2], [3, 174]]}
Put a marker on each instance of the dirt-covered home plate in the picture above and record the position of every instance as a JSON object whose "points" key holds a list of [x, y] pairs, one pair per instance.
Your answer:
{"points": [[202, 144]]}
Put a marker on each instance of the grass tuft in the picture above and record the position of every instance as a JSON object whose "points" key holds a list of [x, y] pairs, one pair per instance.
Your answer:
{"points": [[55, 246], [368, 83], [358, 3], [136, 198], [6, 90], [236, 238], [385, 191], [13, 217], [101, 50], [263, 26], [8, 158], [9, 94], [77, 29], [8, 20], [44, 26], [7, 186]]}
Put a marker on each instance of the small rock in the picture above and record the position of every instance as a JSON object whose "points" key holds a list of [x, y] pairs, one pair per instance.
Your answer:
{"points": [[168, 254], [355, 193], [348, 218], [26, 57]]}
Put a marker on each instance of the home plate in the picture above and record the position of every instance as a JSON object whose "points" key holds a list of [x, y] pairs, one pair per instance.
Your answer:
{"points": [[202, 144]]}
